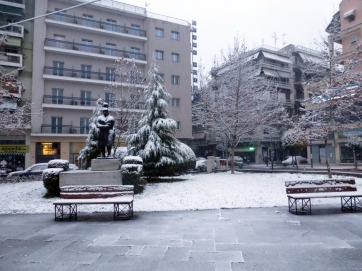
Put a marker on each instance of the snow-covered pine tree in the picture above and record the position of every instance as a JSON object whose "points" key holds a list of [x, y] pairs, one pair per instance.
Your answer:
{"points": [[91, 150], [154, 141]]}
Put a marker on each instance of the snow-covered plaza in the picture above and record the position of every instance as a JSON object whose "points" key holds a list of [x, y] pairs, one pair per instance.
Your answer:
{"points": [[187, 192]]}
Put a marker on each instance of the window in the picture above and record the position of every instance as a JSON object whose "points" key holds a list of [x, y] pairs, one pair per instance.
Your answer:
{"points": [[135, 101], [110, 74], [85, 97], [135, 52], [56, 126], [110, 49], [178, 126], [159, 54], [60, 16], [162, 76], [176, 102], [135, 30], [175, 57], [59, 41], [86, 71], [57, 96], [110, 99], [84, 125], [87, 45], [88, 20], [175, 35], [159, 32], [353, 39], [111, 25], [175, 79], [58, 68]]}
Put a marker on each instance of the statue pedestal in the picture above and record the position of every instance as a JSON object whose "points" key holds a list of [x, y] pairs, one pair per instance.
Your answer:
{"points": [[105, 164], [105, 171]]}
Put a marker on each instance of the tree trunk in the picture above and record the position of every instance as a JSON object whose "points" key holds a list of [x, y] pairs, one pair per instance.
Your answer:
{"points": [[232, 155], [354, 158], [327, 161]]}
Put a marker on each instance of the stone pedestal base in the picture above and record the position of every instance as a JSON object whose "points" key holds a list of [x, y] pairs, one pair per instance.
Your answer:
{"points": [[87, 177], [105, 164]]}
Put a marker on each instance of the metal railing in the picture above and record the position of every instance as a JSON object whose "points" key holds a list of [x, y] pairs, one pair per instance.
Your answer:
{"points": [[71, 45], [103, 76], [120, 6], [273, 66], [19, 29], [81, 101], [15, 1], [64, 129], [11, 58], [109, 26]]}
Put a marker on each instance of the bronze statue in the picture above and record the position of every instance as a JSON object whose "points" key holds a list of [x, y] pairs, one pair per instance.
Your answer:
{"points": [[105, 124]]}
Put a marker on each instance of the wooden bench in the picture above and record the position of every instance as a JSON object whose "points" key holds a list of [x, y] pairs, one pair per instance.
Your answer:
{"points": [[121, 196], [301, 192]]}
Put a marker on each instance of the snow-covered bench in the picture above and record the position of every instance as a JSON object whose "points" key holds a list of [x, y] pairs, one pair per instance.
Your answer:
{"points": [[121, 196], [301, 192]]}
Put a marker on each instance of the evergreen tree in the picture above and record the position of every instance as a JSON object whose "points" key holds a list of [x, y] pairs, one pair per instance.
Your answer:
{"points": [[91, 150], [154, 141]]}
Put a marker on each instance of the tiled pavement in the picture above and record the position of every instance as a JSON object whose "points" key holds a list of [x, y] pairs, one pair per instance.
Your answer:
{"points": [[227, 239]]}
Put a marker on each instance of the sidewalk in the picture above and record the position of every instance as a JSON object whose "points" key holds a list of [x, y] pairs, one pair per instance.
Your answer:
{"points": [[221, 240]]}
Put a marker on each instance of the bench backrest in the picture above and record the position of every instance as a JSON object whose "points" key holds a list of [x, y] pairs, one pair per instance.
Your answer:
{"points": [[95, 191], [320, 186]]}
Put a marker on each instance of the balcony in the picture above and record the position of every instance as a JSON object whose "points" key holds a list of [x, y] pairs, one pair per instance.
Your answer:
{"points": [[84, 76], [13, 7], [11, 60], [272, 66], [51, 101], [74, 48], [64, 129], [87, 24], [13, 30]]}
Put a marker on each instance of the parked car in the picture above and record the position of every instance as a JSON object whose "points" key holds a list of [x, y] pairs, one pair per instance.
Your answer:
{"points": [[201, 164], [237, 160], [291, 160], [33, 172], [73, 167]]}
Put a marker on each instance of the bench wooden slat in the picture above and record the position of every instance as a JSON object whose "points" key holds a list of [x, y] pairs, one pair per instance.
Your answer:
{"points": [[312, 183], [96, 188], [92, 195], [320, 189], [123, 199]]}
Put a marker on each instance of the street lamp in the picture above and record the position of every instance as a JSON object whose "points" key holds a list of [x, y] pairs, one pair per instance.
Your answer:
{"points": [[311, 154]]}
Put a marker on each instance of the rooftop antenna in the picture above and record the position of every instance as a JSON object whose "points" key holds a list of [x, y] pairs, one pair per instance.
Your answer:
{"points": [[284, 42], [147, 4], [275, 37]]}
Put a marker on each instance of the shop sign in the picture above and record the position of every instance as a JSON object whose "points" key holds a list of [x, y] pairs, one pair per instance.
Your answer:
{"points": [[352, 132], [14, 148]]}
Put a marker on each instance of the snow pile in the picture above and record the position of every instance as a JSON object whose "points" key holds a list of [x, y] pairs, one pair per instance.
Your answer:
{"points": [[193, 192]]}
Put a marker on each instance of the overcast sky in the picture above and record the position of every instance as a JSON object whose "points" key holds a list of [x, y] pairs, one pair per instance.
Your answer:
{"points": [[218, 22]]}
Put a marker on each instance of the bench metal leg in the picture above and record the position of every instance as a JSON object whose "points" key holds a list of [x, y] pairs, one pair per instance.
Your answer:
{"points": [[65, 211], [299, 206], [123, 211], [351, 204]]}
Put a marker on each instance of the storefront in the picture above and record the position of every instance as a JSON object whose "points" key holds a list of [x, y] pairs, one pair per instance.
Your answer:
{"points": [[12, 157]]}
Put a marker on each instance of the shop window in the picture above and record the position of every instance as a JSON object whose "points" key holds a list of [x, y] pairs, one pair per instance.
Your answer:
{"points": [[46, 151]]}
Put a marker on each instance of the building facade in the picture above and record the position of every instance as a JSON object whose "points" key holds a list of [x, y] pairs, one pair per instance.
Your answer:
{"points": [[75, 52], [16, 53]]}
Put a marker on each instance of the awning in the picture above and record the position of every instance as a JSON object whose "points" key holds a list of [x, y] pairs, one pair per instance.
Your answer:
{"points": [[252, 57], [277, 57], [284, 74], [16, 42], [310, 58], [270, 72]]}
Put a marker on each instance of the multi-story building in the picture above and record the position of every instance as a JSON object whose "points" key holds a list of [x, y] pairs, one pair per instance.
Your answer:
{"points": [[284, 69], [75, 52], [16, 53]]}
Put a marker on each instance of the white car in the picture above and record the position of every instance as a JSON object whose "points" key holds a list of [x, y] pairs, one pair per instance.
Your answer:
{"points": [[291, 160]]}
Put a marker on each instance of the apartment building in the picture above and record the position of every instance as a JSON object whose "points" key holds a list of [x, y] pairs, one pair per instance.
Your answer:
{"points": [[284, 69], [16, 53], [75, 52]]}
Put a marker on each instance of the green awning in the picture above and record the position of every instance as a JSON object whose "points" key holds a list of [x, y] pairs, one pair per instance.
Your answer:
{"points": [[12, 41], [11, 10]]}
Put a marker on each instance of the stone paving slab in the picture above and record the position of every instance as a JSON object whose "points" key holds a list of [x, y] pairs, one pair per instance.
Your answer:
{"points": [[217, 240]]}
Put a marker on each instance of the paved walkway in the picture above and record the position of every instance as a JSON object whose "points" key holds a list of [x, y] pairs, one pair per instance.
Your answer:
{"points": [[222, 240]]}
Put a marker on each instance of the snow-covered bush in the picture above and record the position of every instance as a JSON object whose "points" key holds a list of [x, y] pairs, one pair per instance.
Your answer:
{"points": [[120, 153], [51, 181], [189, 162], [201, 166], [131, 170], [59, 163]]}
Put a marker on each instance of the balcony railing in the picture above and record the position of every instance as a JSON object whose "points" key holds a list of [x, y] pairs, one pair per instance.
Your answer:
{"points": [[64, 129], [10, 59], [13, 30], [273, 66], [103, 76], [88, 22], [71, 45], [14, 1], [79, 101]]}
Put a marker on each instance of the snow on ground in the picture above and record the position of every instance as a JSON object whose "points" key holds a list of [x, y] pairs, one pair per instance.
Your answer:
{"points": [[194, 192]]}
